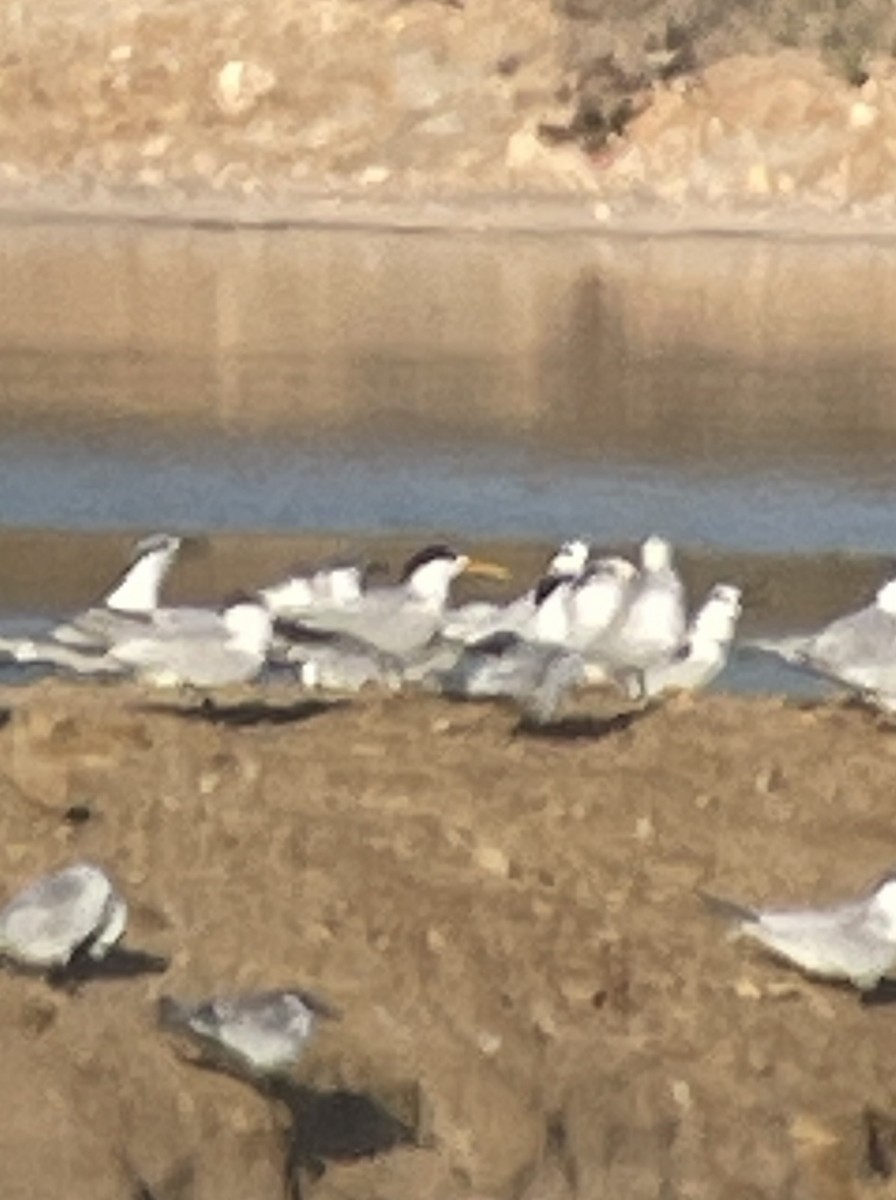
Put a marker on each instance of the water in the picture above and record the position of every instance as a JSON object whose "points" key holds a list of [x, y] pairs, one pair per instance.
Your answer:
{"points": [[734, 394], [730, 392]]}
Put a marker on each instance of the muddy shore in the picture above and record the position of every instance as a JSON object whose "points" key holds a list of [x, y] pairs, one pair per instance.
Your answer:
{"points": [[416, 112], [507, 921]]}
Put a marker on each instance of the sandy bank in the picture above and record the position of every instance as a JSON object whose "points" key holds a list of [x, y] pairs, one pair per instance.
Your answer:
{"points": [[508, 922]]}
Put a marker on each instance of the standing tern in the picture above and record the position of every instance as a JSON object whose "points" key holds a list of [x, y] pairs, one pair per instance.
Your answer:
{"points": [[651, 624], [263, 1033], [853, 940], [597, 598], [704, 652], [403, 619]]}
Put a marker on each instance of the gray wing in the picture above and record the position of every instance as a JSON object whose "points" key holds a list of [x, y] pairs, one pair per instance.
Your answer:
{"points": [[196, 661], [857, 640], [385, 619], [46, 922]]}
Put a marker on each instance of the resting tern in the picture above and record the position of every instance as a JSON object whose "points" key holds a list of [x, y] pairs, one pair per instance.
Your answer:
{"points": [[853, 940], [403, 619], [337, 585], [263, 1033], [857, 651], [233, 650], [136, 594], [74, 909], [536, 675], [337, 661]]}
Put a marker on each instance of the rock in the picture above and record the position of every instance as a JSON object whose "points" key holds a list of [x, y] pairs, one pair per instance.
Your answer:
{"points": [[492, 860], [240, 85]]}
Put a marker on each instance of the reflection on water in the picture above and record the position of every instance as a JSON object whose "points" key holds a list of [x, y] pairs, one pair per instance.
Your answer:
{"points": [[724, 391]]}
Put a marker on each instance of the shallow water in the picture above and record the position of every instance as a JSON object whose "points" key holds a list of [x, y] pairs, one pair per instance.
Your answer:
{"points": [[733, 393]]}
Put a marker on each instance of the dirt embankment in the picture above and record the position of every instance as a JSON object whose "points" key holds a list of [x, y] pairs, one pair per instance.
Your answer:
{"points": [[507, 922], [670, 107]]}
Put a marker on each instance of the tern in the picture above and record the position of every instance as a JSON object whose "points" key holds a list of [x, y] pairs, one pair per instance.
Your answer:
{"points": [[473, 621], [262, 1033], [857, 651], [403, 619], [852, 940], [334, 586], [233, 650], [704, 652], [134, 595], [536, 675], [76, 909], [650, 625]]}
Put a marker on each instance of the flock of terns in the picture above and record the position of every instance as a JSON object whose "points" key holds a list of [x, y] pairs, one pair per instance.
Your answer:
{"points": [[586, 621]]}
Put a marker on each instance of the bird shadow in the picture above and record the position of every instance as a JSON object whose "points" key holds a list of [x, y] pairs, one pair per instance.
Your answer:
{"points": [[176, 1185], [579, 728], [324, 1126], [120, 962], [333, 1126], [882, 994], [248, 713]]}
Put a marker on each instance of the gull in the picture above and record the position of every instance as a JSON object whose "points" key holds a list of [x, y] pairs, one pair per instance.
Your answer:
{"points": [[402, 619], [134, 595], [76, 909], [857, 651], [704, 652], [473, 621], [651, 623], [852, 940], [263, 1033]]}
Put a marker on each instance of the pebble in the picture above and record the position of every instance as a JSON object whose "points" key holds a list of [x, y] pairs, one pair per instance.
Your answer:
{"points": [[493, 860]]}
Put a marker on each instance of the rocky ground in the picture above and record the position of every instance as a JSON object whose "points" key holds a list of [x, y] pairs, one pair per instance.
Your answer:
{"points": [[673, 108], [507, 921]]}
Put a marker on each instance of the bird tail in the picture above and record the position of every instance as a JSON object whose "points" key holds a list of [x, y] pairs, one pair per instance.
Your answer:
{"points": [[729, 910], [171, 1014]]}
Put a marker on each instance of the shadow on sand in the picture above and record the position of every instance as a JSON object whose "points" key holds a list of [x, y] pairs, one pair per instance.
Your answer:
{"points": [[247, 713]]}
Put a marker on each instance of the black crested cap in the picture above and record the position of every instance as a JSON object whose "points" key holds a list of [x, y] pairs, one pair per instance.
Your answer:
{"points": [[496, 644], [242, 597], [427, 555], [548, 584]]}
